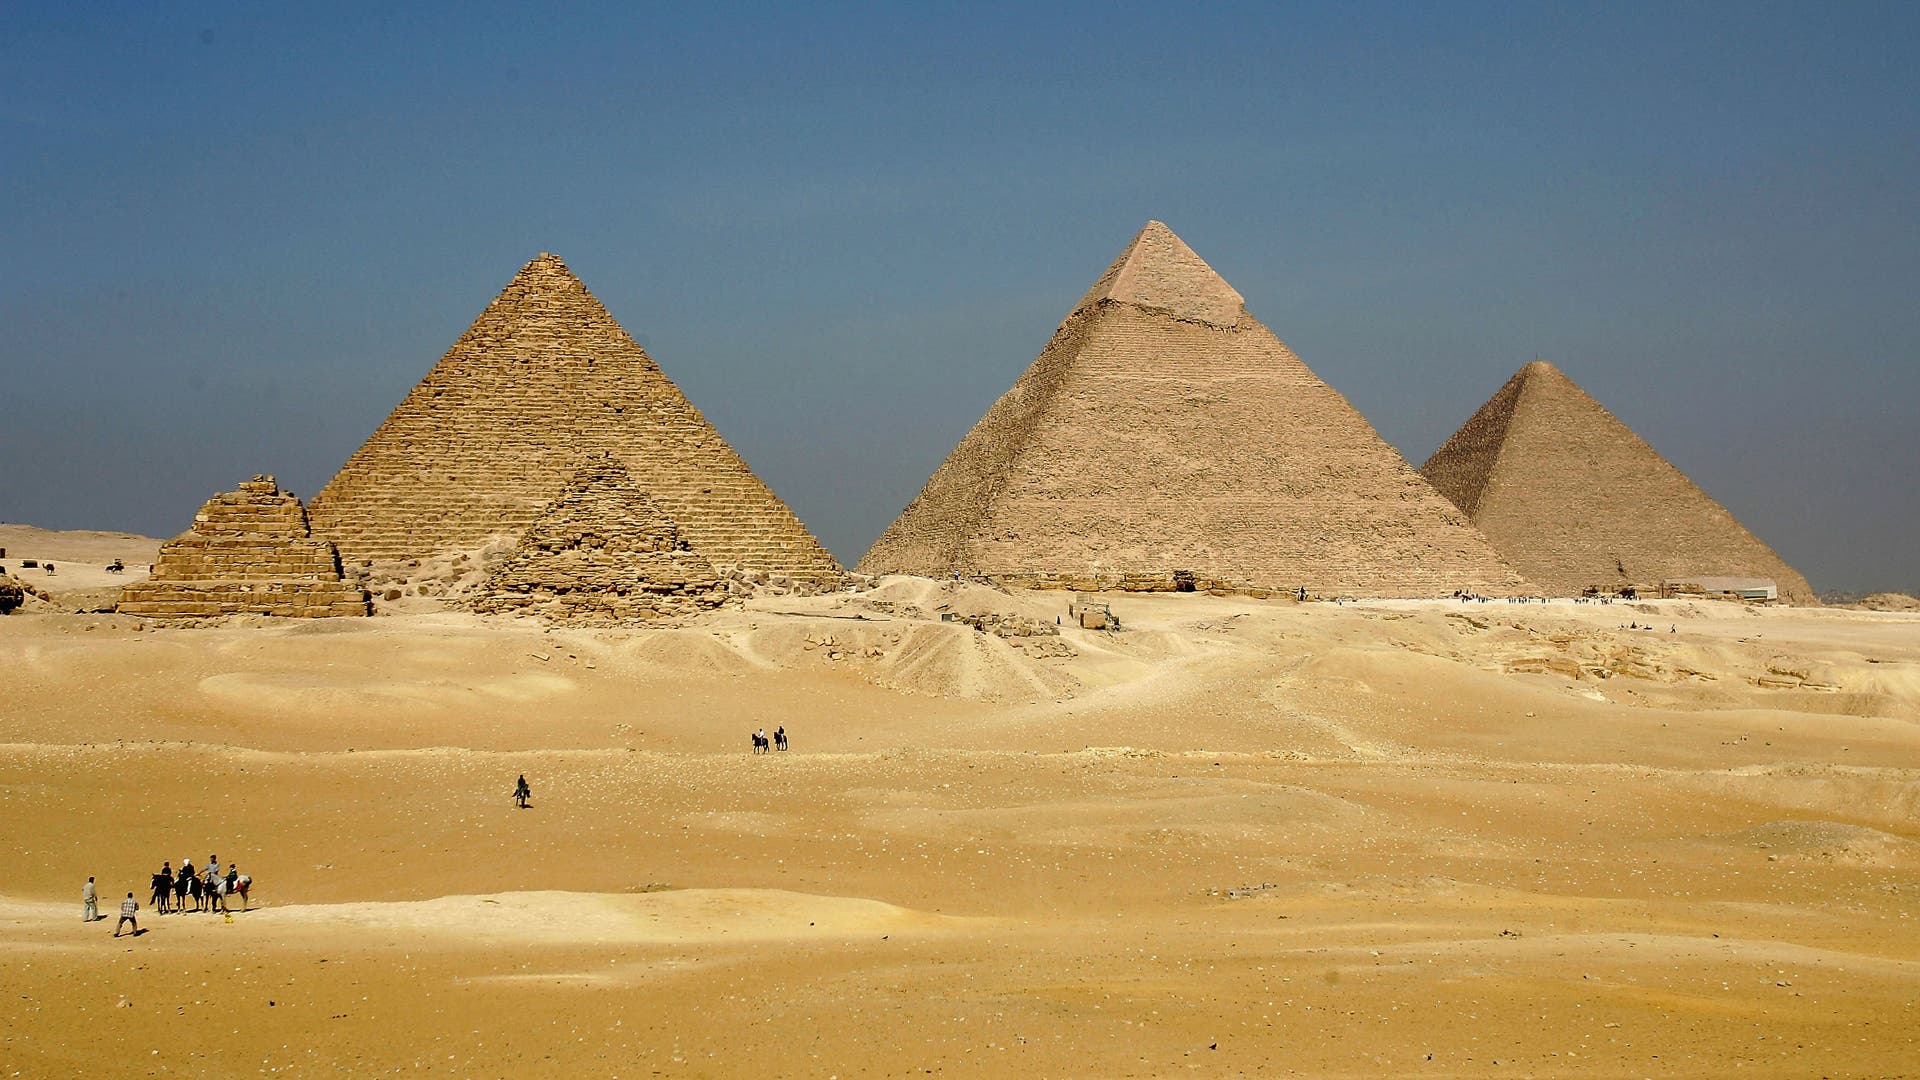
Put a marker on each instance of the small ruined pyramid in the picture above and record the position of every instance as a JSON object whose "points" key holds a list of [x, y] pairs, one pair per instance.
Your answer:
{"points": [[1165, 439], [1573, 498], [542, 378], [602, 554], [249, 552]]}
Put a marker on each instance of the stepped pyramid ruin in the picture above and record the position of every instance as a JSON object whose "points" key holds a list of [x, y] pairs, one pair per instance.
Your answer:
{"points": [[249, 552], [542, 378], [602, 554], [1165, 439], [1573, 498]]}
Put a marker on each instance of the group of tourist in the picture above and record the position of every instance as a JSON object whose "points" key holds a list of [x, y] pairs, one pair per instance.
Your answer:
{"points": [[207, 889]]}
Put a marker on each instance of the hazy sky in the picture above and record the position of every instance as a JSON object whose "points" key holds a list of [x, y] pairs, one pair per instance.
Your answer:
{"points": [[231, 238]]}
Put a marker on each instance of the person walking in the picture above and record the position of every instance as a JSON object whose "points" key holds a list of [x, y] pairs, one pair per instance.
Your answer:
{"points": [[127, 908], [89, 903]]}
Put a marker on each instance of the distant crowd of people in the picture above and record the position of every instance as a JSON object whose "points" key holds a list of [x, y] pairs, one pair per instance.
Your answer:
{"points": [[206, 890]]}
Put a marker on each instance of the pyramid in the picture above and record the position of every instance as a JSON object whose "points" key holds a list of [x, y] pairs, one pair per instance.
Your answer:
{"points": [[1573, 498], [542, 378], [602, 554], [1165, 439], [249, 552]]}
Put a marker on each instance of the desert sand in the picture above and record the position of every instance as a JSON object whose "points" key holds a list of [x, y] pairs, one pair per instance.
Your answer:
{"points": [[1238, 837]]}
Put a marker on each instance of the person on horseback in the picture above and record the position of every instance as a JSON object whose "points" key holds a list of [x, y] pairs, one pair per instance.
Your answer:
{"points": [[521, 792]]}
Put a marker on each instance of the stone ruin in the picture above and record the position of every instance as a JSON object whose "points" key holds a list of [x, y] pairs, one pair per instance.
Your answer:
{"points": [[1166, 440], [249, 552], [602, 554]]}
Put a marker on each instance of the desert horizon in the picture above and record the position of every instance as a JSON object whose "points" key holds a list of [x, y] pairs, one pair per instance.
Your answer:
{"points": [[1234, 837]]}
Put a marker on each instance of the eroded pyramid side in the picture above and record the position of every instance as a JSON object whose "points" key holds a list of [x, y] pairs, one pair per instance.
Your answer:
{"points": [[543, 377], [1573, 498]]}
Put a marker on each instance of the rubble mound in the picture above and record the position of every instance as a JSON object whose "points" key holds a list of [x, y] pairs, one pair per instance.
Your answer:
{"points": [[1889, 601], [602, 554]]}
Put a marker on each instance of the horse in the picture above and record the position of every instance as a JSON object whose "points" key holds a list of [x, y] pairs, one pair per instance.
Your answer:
{"points": [[780, 738], [759, 743]]}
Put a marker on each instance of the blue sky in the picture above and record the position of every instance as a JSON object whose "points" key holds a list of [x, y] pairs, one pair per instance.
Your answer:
{"points": [[232, 237]]}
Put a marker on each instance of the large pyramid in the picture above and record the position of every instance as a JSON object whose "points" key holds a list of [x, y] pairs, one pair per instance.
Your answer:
{"points": [[1166, 439], [1573, 498], [543, 378]]}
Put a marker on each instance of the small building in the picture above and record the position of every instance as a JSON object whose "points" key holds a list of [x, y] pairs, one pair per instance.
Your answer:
{"points": [[1091, 614], [1742, 588]]}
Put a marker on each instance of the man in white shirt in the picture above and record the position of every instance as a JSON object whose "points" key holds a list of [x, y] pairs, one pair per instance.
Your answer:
{"points": [[89, 903]]}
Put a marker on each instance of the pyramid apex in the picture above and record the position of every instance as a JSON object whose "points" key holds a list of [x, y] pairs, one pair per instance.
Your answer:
{"points": [[1539, 367], [1159, 272]]}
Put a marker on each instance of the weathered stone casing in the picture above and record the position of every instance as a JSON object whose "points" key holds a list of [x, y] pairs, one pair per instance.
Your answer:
{"points": [[1574, 499], [249, 552], [1166, 440], [543, 378], [602, 554]]}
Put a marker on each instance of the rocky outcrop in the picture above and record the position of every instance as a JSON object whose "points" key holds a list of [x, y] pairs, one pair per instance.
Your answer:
{"points": [[249, 552], [602, 554]]}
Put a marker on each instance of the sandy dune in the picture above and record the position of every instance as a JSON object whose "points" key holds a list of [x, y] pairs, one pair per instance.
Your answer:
{"points": [[1240, 837]]}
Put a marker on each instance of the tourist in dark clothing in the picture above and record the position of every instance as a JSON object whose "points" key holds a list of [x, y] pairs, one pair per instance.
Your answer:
{"points": [[521, 792], [162, 888]]}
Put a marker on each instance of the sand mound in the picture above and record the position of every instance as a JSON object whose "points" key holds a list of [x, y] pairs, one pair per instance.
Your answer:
{"points": [[941, 659], [1889, 601], [316, 694], [570, 918], [1831, 841], [920, 597], [686, 652]]}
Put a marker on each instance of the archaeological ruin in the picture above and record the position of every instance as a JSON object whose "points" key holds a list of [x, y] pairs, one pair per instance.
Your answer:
{"points": [[1166, 440], [602, 554], [489, 437], [1575, 500], [249, 552]]}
